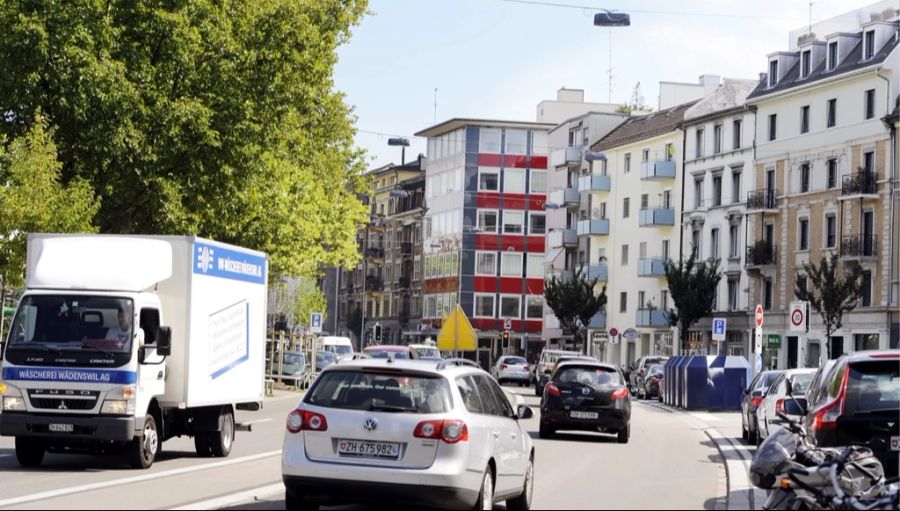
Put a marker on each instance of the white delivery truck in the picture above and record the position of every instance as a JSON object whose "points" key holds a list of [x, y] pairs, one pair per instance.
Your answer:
{"points": [[122, 342]]}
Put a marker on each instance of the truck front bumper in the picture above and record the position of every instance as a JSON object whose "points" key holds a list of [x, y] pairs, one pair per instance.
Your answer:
{"points": [[112, 429]]}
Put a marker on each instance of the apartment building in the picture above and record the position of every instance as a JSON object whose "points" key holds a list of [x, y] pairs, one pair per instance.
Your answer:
{"points": [[823, 184]]}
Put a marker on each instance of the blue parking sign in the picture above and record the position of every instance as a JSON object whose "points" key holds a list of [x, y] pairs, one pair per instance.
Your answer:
{"points": [[720, 328], [315, 322]]}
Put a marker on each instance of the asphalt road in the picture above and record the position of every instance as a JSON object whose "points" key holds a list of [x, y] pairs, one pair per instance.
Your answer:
{"points": [[668, 464]]}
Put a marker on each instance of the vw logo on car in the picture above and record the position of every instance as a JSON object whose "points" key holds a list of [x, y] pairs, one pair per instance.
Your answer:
{"points": [[371, 424]]}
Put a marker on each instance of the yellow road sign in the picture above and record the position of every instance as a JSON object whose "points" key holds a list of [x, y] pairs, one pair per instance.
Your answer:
{"points": [[457, 333]]}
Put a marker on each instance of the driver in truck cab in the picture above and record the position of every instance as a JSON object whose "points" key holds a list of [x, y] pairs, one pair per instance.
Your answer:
{"points": [[122, 331]]}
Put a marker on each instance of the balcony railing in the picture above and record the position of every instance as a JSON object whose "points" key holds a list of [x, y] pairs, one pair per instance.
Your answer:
{"points": [[563, 238], [765, 200], [652, 318], [565, 197], [598, 321], [862, 183], [567, 156], [657, 216], [859, 246], [661, 169], [761, 254], [652, 267], [374, 284], [375, 253], [593, 228], [594, 183], [599, 272]]}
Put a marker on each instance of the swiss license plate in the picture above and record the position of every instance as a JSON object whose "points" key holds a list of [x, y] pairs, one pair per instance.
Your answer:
{"points": [[584, 415], [367, 449], [895, 443], [62, 428]]}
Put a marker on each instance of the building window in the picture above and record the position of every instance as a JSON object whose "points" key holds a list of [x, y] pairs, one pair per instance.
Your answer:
{"points": [[717, 139], [516, 142], [666, 249], [642, 300], [696, 243], [488, 180], [804, 119], [645, 201], [735, 187], [802, 284], [870, 103], [773, 124], [698, 193], [804, 178], [538, 182], [539, 143], [804, 234], [870, 45], [732, 295], [486, 264], [773, 73], [537, 224], [487, 221], [832, 112], [830, 231], [627, 163], [714, 244], [489, 140], [624, 255], [867, 289], [514, 181], [736, 127], [768, 294], [511, 307], [626, 207], [484, 306], [623, 302], [734, 233], [513, 222], [511, 265], [645, 155], [670, 152], [699, 143], [832, 55], [535, 269], [534, 308], [832, 173], [869, 162], [806, 64], [717, 191]]}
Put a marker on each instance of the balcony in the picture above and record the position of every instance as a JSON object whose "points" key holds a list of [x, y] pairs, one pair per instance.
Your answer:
{"points": [[761, 255], [657, 217], [564, 238], [567, 156], [859, 248], [594, 184], [652, 318], [404, 282], [374, 284], [653, 170], [406, 249], [562, 275], [565, 197], [600, 272], [375, 253], [652, 267], [863, 185], [763, 201], [598, 322], [593, 228]]}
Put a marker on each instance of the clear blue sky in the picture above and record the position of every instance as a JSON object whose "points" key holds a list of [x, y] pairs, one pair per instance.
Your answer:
{"points": [[495, 59]]}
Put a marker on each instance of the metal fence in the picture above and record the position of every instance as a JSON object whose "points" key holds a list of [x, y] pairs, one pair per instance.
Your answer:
{"points": [[290, 360]]}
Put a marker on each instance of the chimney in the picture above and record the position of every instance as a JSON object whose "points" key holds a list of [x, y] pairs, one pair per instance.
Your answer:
{"points": [[710, 83]]}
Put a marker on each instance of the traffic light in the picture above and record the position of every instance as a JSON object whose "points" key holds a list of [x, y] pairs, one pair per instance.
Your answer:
{"points": [[377, 333], [506, 339]]}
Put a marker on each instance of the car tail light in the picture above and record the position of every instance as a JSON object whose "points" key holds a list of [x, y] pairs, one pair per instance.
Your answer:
{"points": [[654, 379], [553, 390], [449, 431], [779, 406], [756, 400], [826, 417], [527, 367], [301, 420], [503, 367], [620, 394]]}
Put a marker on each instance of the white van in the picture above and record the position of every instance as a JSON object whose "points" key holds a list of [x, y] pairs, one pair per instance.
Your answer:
{"points": [[340, 346]]}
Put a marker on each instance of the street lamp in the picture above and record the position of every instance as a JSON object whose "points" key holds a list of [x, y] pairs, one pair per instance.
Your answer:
{"points": [[609, 18], [401, 142]]}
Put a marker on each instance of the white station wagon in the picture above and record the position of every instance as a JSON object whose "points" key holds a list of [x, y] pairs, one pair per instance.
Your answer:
{"points": [[407, 432]]}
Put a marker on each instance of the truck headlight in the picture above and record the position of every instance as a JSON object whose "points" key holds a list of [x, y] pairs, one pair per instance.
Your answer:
{"points": [[13, 404], [119, 401]]}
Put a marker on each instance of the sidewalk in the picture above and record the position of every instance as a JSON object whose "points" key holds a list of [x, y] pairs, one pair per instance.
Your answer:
{"points": [[724, 430]]}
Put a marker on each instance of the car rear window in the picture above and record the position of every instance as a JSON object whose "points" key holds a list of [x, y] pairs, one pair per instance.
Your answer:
{"points": [[800, 384], [766, 380], [588, 376], [371, 391], [398, 355], [515, 361], [657, 369], [874, 387]]}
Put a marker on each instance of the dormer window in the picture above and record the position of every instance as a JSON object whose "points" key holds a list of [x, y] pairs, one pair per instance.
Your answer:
{"points": [[806, 64], [832, 55], [773, 73], [869, 45]]}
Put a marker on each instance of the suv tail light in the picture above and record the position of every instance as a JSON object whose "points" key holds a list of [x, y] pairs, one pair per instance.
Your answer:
{"points": [[779, 406], [756, 400], [503, 367], [620, 394], [449, 431], [301, 420], [553, 390], [826, 417]]}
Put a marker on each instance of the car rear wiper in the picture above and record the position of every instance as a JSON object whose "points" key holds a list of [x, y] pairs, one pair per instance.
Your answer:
{"points": [[376, 407]]}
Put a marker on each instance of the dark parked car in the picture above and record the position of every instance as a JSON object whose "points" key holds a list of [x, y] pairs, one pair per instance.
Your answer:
{"points": [[586, 396], [753, 397], [324, 359], [650, 386], [635, 374], [858, 401]]}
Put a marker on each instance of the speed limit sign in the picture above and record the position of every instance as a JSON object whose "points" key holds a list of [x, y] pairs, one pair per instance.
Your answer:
{"points": [[798, 316]]}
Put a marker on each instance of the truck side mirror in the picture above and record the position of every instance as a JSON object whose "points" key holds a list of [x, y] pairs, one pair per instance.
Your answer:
{"points": [[164, 341]]}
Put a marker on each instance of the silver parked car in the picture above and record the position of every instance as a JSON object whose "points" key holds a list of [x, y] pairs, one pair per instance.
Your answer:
{"points": [[407, 432], [792, 383], [512, 369]]}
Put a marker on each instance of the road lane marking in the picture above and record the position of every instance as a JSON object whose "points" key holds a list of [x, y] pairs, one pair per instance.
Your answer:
{"points": [[131, 480], [235, 498]]}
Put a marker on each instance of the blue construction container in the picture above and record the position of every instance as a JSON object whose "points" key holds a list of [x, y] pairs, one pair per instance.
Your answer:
{"points": [[679, 381], [738, 375], [696, 383], [668, 379], [717, 383]]}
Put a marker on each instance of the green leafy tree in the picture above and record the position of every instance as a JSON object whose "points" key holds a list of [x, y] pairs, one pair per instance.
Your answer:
{"points": [[830, 292], [32, 199], [305, 298], [197, 117], [636, 104], [575, 301], [692, 285]]}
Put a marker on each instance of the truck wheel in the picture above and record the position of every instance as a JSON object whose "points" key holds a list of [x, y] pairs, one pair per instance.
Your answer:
{"points": [[201, 444], [29, 452], [220, 443], [142, 451]]}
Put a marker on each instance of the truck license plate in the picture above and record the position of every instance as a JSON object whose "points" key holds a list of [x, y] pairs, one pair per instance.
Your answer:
{"points": [[368, 449], [62, 428]]}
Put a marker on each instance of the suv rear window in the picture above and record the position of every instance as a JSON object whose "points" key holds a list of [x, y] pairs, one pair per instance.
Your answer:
{"points": [[514, 361], [588, 376], [874, 387], [371, 391], [398, 355]]}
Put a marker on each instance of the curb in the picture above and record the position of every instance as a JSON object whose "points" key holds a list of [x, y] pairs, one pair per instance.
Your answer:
{"points": [[741, 494]]}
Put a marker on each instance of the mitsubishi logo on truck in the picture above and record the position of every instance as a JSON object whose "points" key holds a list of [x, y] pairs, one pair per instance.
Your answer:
{"points": [[62, 406]]}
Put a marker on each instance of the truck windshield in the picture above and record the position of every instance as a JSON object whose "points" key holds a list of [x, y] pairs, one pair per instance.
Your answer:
{"points": [[339, 349], [73, 323]]}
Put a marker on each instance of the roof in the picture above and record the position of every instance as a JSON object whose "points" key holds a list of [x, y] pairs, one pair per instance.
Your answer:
{"points": [[643, 127], [426, 367], [852, 62], [565, 123], [588, 363], [456, 123], [411, 166]]}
